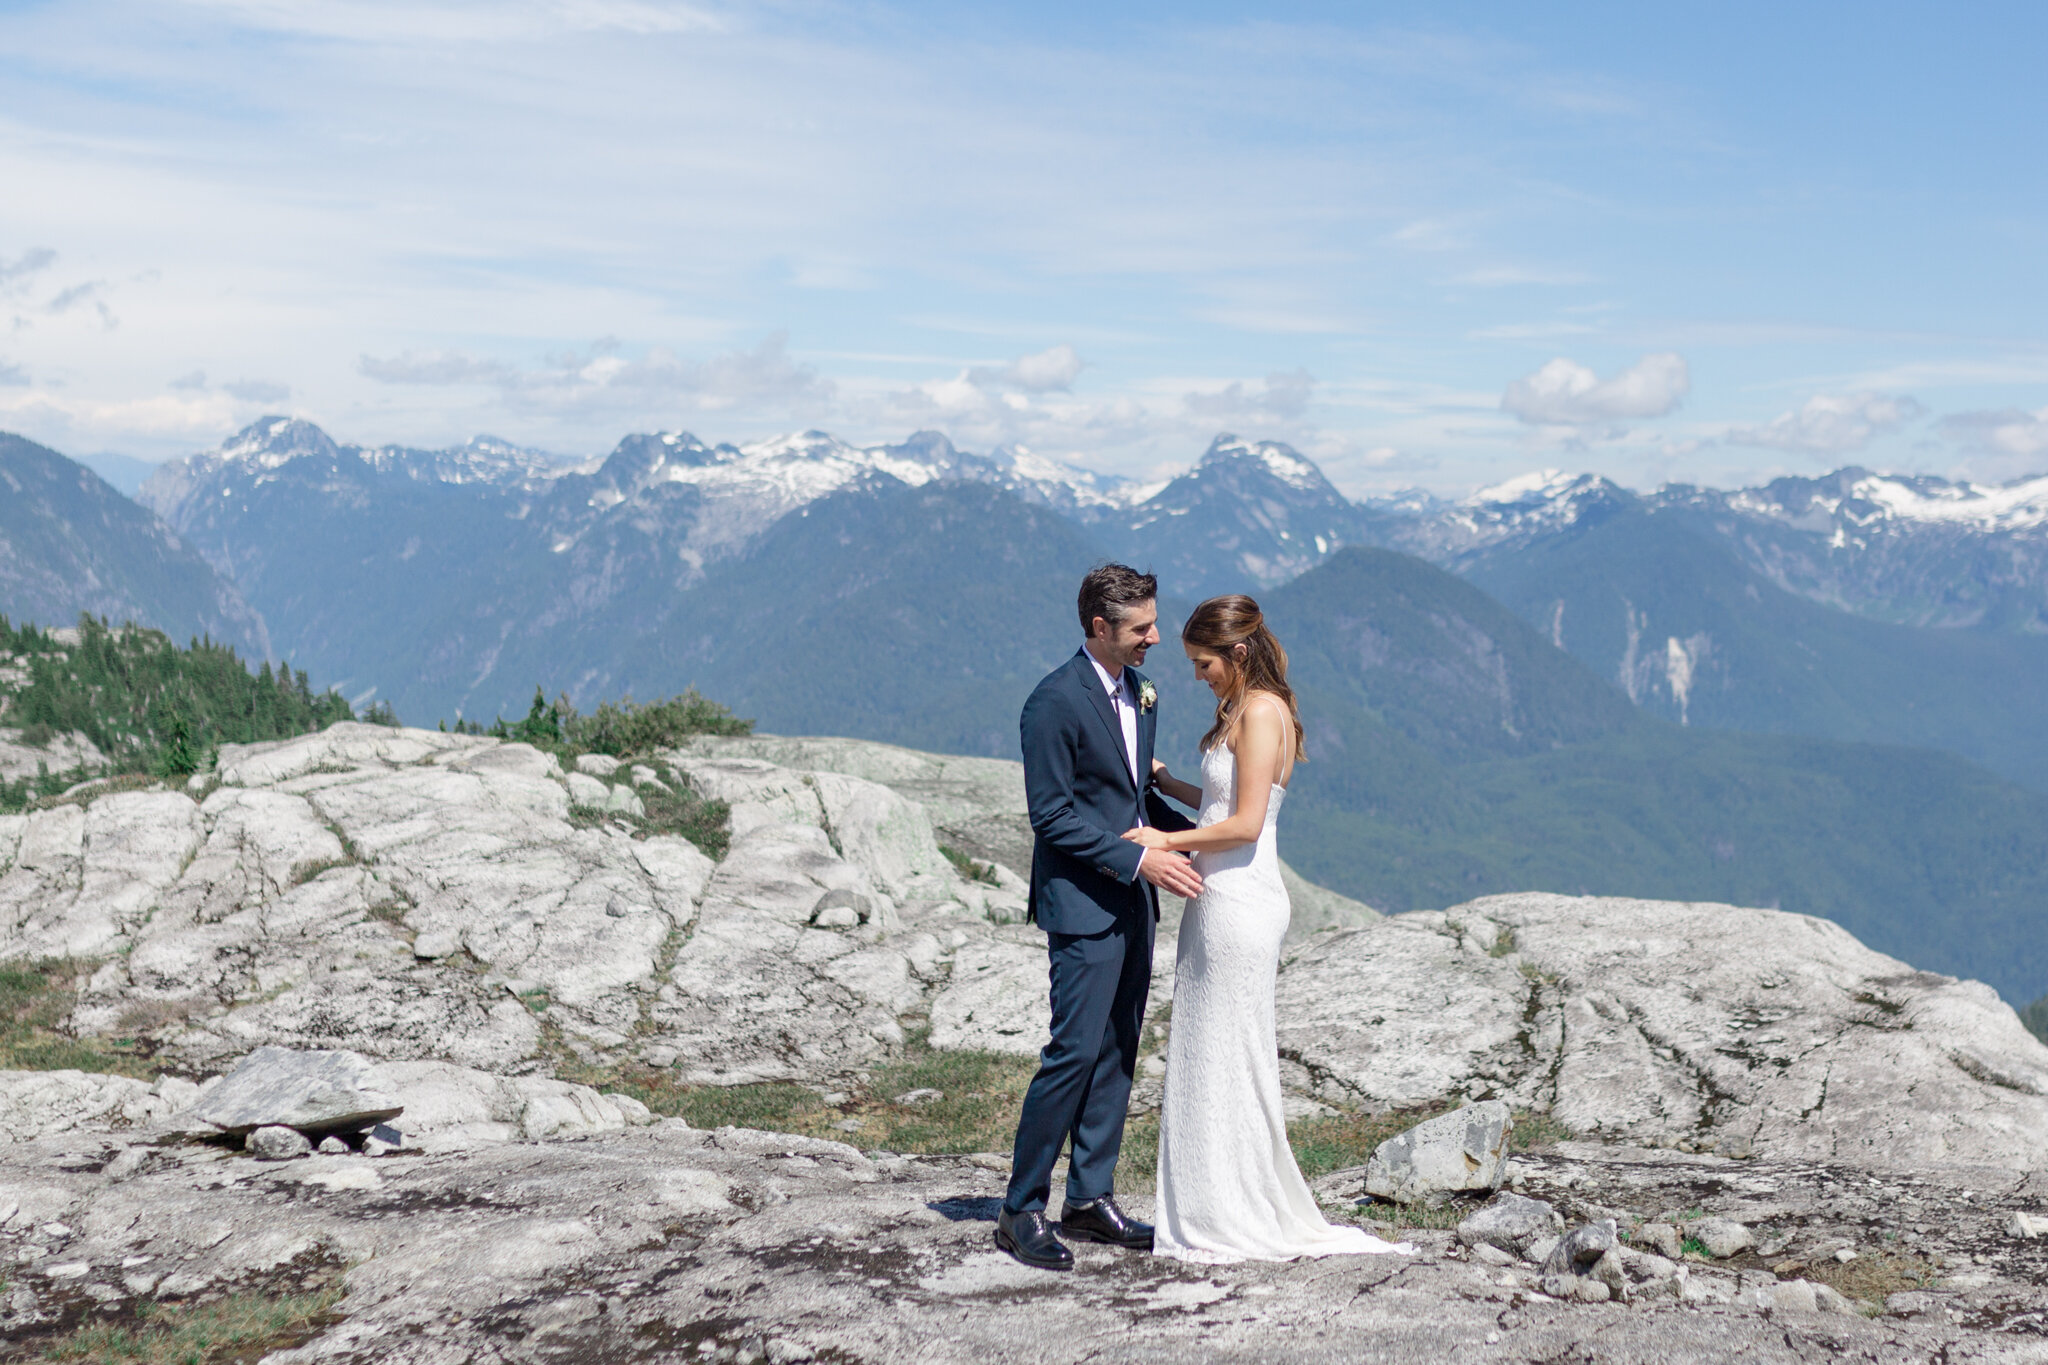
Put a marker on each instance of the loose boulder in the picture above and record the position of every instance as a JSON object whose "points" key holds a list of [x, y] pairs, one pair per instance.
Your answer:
{"points": [[1722, 1237], [1579, 1250], [314, 1092], [1512, 1223], [1465, 1150]]}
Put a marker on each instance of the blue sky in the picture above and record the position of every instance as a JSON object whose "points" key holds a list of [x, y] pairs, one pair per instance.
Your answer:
{"points": [[1429, 245]]}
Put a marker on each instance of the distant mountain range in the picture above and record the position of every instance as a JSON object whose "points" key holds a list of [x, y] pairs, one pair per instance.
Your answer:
{"points": [[1542, 686], [1857, 606], [70, 543]]}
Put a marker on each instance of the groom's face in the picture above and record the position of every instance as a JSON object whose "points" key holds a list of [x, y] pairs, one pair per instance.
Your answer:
{"points": [[1124, 642]]}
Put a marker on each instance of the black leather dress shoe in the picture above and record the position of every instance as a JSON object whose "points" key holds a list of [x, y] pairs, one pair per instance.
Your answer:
{"points": [[1029, 1238], [1103, 1221]]}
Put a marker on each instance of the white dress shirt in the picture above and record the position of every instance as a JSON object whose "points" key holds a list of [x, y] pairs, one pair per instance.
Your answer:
{"points": [[1126, 707]]}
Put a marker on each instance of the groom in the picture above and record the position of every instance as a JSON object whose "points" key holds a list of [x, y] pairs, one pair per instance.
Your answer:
{"points": [[1088, 778]]}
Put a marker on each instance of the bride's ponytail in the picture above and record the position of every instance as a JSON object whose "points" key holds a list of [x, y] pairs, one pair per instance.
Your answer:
{"points": [[1233, 628]]}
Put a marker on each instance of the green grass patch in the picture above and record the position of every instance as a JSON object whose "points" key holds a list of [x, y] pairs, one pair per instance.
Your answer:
{"points": [[970, 869], [975, 1111], [244, 1327], [707, 824], [35, 997]]}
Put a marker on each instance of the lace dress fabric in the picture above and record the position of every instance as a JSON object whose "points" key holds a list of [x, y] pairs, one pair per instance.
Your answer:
{"points": [[1229, 1189]]}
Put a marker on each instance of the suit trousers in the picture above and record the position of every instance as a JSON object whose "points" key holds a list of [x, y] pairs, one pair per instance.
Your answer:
{"points": [[1083, 1085]]}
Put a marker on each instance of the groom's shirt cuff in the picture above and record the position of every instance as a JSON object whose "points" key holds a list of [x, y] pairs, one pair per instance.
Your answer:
{"points": [[1138, 872]]}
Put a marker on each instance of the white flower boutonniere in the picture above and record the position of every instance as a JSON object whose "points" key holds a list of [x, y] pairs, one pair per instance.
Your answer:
{"points": [[1148, 696]]}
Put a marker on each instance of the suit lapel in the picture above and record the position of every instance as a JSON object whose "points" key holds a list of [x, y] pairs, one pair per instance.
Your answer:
{"points": [[1091, 683], [1148, 727]]}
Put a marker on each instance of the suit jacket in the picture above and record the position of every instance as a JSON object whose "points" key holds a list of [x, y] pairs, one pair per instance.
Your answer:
{"points": [[1084, 873]]}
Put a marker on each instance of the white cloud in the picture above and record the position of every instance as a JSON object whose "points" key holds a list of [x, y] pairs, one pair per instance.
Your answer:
{"points": [[1566, 393], [1283, 395], [2011, 432], [12, 375], [1055, 368], [1830, 424]]}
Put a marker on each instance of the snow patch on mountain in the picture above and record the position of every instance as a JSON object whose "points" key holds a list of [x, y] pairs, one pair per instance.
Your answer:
{"points": [[1869, 499]]}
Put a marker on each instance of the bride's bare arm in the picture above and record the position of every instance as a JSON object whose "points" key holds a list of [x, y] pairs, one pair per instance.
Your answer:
{"points": [[1187, 793], [1260, 741]]}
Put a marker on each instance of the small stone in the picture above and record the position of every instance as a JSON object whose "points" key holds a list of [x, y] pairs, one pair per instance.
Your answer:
{"points": [[1844, 1256], [1590, 1291], [1609, 1271], [2027, 1225], [1511, 1222], [1540, 1249], [587, 791], [436, 944], [377, 1146], [1793, 1295], [841, 909], [1578, 1250], [922, 1095], [1648, 1266], [1661, 1238], [660, 1054], [73, 1270], [274, 1142], [1463, 1150], [1488, 1254], [1722, 1237], [623, 800], [332, 1146], [849, 1125], [597, 765]]}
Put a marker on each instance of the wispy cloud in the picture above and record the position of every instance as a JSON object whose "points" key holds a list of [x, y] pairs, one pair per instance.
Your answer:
{"points": [[604, 379], [2008, 432], [1831, 424]]}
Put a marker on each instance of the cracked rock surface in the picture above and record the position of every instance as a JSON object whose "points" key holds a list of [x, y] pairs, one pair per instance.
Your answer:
{"points": [[1702, 1027], [666, 1243]]}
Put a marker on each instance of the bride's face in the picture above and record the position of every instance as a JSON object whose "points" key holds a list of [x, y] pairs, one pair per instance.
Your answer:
{"points": [[1210, 668]]}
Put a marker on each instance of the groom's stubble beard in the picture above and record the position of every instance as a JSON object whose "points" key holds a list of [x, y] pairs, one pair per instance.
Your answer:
{"points": [[1127, 641]]}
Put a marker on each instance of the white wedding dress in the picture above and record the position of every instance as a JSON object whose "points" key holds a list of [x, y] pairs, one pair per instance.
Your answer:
{"points": [[1228, 1186]]}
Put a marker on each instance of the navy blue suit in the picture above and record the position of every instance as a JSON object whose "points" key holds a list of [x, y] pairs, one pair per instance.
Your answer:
{"points": [[1098, 916]]}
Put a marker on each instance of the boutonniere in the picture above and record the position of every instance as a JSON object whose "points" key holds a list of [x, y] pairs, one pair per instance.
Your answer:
{"points": [[1148, 696]]}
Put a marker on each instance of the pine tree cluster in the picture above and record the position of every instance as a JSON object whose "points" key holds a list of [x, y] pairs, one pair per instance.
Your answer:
{"points": [[150, 706]]}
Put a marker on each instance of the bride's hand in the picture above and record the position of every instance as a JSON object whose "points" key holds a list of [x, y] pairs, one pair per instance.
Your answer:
{"points": [[1147, 836]]}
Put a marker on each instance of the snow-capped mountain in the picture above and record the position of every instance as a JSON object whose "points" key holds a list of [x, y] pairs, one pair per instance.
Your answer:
{"points": [[1251, 514]]}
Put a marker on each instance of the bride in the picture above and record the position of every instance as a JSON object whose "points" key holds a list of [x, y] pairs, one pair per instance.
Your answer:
{"points": [[1228, 1186]]}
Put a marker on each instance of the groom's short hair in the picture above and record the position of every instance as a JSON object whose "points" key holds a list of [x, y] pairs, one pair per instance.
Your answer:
{"points": [[1110, 591]]}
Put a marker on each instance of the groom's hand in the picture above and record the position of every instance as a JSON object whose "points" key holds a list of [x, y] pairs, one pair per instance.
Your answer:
{"points": [[1170, 872]]}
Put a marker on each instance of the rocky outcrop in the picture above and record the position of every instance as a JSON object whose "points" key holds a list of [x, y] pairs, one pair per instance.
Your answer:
{"points": [[1698, 1027], [423, 897]]}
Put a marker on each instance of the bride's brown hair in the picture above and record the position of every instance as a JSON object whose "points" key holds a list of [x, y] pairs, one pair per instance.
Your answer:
{"points": [[1233, 629]]}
